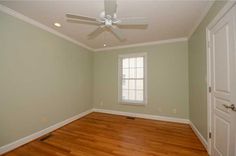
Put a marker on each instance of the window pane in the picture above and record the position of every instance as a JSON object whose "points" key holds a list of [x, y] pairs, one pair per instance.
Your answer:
{"points": [[125, 63], [132, 73], [131, 84], [125, 73], [139, 84], [131, 94], [125, 94], [139, 95], [139, 72], [132, 78], [140, 62], [125, 84], [132, 62]]}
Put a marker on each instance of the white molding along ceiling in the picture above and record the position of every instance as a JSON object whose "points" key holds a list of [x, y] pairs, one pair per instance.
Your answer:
{"points": [[167, 21], [204, 13], [143, 44], [39, 25]]}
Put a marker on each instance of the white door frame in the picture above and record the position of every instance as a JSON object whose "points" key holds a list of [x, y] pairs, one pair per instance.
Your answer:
{"points": [[223, 11]]}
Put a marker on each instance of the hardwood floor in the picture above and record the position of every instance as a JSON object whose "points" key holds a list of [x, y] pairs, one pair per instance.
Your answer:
{"points": [[100, 134]]}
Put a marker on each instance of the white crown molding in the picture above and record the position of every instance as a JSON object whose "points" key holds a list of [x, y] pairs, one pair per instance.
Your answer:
{"points": [[38, 134], [144, 116], [221, 13], [48, 29], [198, 22], [41, 26], [199, 135], [143, 44]]}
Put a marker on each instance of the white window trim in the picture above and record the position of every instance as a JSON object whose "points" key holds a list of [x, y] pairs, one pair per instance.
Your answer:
{"points": [[131, 102]]}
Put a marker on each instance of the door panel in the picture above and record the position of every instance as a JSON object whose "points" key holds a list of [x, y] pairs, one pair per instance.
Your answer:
{"points": [[222, 135], [221, 60], [223, 79]]}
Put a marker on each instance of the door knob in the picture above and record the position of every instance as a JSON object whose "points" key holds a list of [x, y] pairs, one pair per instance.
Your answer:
{"points": [[231, 107]]}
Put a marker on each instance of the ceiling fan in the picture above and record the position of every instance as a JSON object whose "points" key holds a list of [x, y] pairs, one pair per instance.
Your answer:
{"points": [[108, 19]]}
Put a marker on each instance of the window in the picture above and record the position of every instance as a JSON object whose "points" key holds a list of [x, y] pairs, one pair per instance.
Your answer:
{"points": [[132, 79]]}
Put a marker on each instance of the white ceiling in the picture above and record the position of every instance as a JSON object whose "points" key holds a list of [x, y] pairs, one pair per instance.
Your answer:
{"points": [[167, 19]]}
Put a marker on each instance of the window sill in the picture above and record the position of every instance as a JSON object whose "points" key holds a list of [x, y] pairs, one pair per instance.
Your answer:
{"points": [[133, 103]]}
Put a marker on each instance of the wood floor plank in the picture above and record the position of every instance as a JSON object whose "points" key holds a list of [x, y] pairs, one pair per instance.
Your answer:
{"points": [[99, 134]]}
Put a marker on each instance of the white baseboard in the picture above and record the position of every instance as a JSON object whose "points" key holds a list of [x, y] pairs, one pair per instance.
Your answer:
{"points": [[145, 116], [162, 118], [198, 134], [36, 135]]}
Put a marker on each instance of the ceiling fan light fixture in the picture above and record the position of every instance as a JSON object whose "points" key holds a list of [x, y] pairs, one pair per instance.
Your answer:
{"points": [[108, 22], [108, 19], [57, 24]]}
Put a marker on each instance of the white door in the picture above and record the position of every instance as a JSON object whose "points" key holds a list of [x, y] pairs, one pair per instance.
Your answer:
{"points": [[223, 83]]}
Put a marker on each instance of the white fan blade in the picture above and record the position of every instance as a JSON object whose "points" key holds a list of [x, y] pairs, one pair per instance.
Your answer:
{"points": [[83, 22], [117, 33], [95, 32], [110, 7], [133, 21], [81, 17]]}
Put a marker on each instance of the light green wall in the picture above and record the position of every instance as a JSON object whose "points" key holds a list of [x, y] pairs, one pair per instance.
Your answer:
{"points": [[198, 71], [44, 79], [167, 80]]}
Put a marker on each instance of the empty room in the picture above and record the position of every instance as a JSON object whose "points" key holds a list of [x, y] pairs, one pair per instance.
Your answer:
{"points": [[117, 78]]}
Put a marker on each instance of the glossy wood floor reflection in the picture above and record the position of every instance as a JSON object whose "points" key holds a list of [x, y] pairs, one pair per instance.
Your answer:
{"points": [[100, 134]]}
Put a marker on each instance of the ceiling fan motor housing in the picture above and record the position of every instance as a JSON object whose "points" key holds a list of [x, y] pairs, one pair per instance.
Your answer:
{"points": [[108, 22], [108, 18]]}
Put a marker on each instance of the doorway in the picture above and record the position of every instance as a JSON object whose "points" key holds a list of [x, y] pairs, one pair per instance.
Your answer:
{"points": [[221, 36]]}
